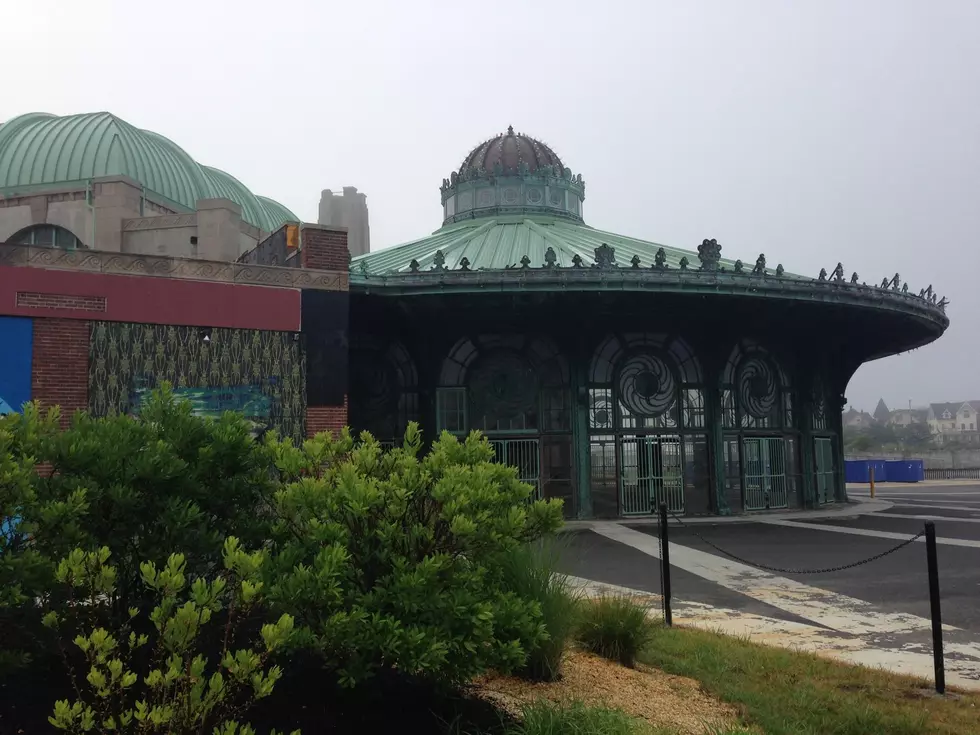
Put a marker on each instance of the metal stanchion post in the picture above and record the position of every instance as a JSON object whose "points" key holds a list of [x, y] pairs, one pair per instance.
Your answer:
{"points": [[937, 617], [871, 471], [665, 564]]}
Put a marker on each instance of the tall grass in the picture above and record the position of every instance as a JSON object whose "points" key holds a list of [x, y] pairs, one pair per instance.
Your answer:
{"points": [[530, 572], [615, 627]]}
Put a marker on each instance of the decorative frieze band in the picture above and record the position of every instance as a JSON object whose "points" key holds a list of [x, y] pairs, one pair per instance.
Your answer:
{"points": [[96, 261]]}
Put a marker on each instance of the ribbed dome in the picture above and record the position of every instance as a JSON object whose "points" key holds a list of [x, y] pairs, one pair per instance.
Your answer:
{"points": [[508, 151], [38, 148]]}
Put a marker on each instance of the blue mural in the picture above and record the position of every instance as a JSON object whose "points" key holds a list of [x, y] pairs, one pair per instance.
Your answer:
{"points": [[16, 344], [248, 400]]}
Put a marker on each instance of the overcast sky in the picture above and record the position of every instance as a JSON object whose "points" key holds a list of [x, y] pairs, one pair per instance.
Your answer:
{"points": [[813, 131]]}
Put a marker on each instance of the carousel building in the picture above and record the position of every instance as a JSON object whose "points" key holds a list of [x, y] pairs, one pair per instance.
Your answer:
{"points": [[615, 374]]}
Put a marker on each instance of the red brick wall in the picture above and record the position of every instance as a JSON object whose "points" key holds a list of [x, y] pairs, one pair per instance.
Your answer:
{"points": [[326, 418], [59, 370], [324, 249]]}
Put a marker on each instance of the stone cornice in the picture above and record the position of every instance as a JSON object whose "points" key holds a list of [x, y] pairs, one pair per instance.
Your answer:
{"points": [[125, 264]]}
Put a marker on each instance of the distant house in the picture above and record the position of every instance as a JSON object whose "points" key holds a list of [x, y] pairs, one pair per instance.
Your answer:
{"points": [[955, 421], [855, 419], [907, 416], [882, 414]]}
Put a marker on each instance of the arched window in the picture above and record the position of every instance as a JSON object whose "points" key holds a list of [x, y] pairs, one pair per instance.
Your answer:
{"points": [[504, 383], [646, 426], [384, 389], [755, 391], [49, 236], [657, 379]]}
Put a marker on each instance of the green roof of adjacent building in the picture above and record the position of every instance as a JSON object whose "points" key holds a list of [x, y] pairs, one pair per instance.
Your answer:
{"points": [[39, 149]]}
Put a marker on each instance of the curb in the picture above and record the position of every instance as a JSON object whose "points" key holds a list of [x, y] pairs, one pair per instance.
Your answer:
{"points": [[854, 506]]}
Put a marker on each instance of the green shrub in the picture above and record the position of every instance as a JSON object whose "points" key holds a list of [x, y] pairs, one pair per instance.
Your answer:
{"points": [[145, 488], [387, 561], [530, 572], [545, 718], [180, 691], [615, 627]]}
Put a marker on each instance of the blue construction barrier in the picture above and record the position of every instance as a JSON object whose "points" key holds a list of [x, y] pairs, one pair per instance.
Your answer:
{"points": [[859, 470], [905, 470], [886, 470]]}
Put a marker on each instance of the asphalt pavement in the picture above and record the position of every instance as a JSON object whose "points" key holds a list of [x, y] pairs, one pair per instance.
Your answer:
{"points": [[896, 583]]}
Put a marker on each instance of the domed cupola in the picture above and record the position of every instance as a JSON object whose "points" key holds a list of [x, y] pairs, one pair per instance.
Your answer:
{"points": [[512, 174]]}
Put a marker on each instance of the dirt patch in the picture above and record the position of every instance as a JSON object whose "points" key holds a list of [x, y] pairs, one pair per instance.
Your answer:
{"points": [[649, 694]]}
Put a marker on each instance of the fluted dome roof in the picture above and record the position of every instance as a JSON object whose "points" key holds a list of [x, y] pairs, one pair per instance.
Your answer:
{"points": [[508, 151], [38, 149]]}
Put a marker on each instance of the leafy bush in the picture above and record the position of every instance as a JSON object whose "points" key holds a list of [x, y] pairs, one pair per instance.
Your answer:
{"points": [[544, 718], [145, 488], [386, 560], [615, 627], [530, 572], [176, 695]]}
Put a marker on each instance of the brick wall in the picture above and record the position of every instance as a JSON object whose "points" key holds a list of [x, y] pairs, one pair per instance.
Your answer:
{"points": [[36, 300], [59, 373], [326, 418], [324, 249]]}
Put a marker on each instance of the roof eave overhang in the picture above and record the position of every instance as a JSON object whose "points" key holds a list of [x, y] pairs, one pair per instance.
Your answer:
{"points": [[692, 282]]}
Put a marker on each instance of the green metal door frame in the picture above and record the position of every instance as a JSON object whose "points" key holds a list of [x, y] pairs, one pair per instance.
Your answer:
{"points": [[825, 470], [771, 475]]}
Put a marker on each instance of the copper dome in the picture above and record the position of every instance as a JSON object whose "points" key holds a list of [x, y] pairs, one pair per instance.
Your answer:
{"points": [[509, 150]]}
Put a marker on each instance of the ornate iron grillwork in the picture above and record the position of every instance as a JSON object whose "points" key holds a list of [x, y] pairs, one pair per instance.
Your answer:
{"points": [[647, 386], [503, 391], [757, 389]]}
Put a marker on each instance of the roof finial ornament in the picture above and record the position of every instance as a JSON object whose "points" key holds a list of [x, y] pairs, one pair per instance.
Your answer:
{"points": [[709, 253], [510, 130]]}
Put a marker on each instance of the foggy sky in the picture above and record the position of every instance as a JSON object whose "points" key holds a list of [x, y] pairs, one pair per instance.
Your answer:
{"points": [[811, 131]]}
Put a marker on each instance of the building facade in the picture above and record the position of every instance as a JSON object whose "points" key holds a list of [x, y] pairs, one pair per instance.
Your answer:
{"points": [[954, 422], [613, 373], [616, 374], [348, 210]]}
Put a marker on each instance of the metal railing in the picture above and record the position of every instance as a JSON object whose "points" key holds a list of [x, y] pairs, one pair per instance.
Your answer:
{"points": [[952, 473]]}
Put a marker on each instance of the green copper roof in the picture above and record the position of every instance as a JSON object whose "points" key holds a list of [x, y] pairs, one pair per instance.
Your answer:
{"points": [[38, 149], [502, 242]]}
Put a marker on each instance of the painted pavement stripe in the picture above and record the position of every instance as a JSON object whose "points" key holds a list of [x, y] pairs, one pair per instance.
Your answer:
{"points": [[869, 532], [900, 516], [926, 506], [833, 610], [920, 494]]}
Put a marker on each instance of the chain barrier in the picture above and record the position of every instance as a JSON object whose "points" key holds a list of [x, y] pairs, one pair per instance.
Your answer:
{"points": [[780, 570]]}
